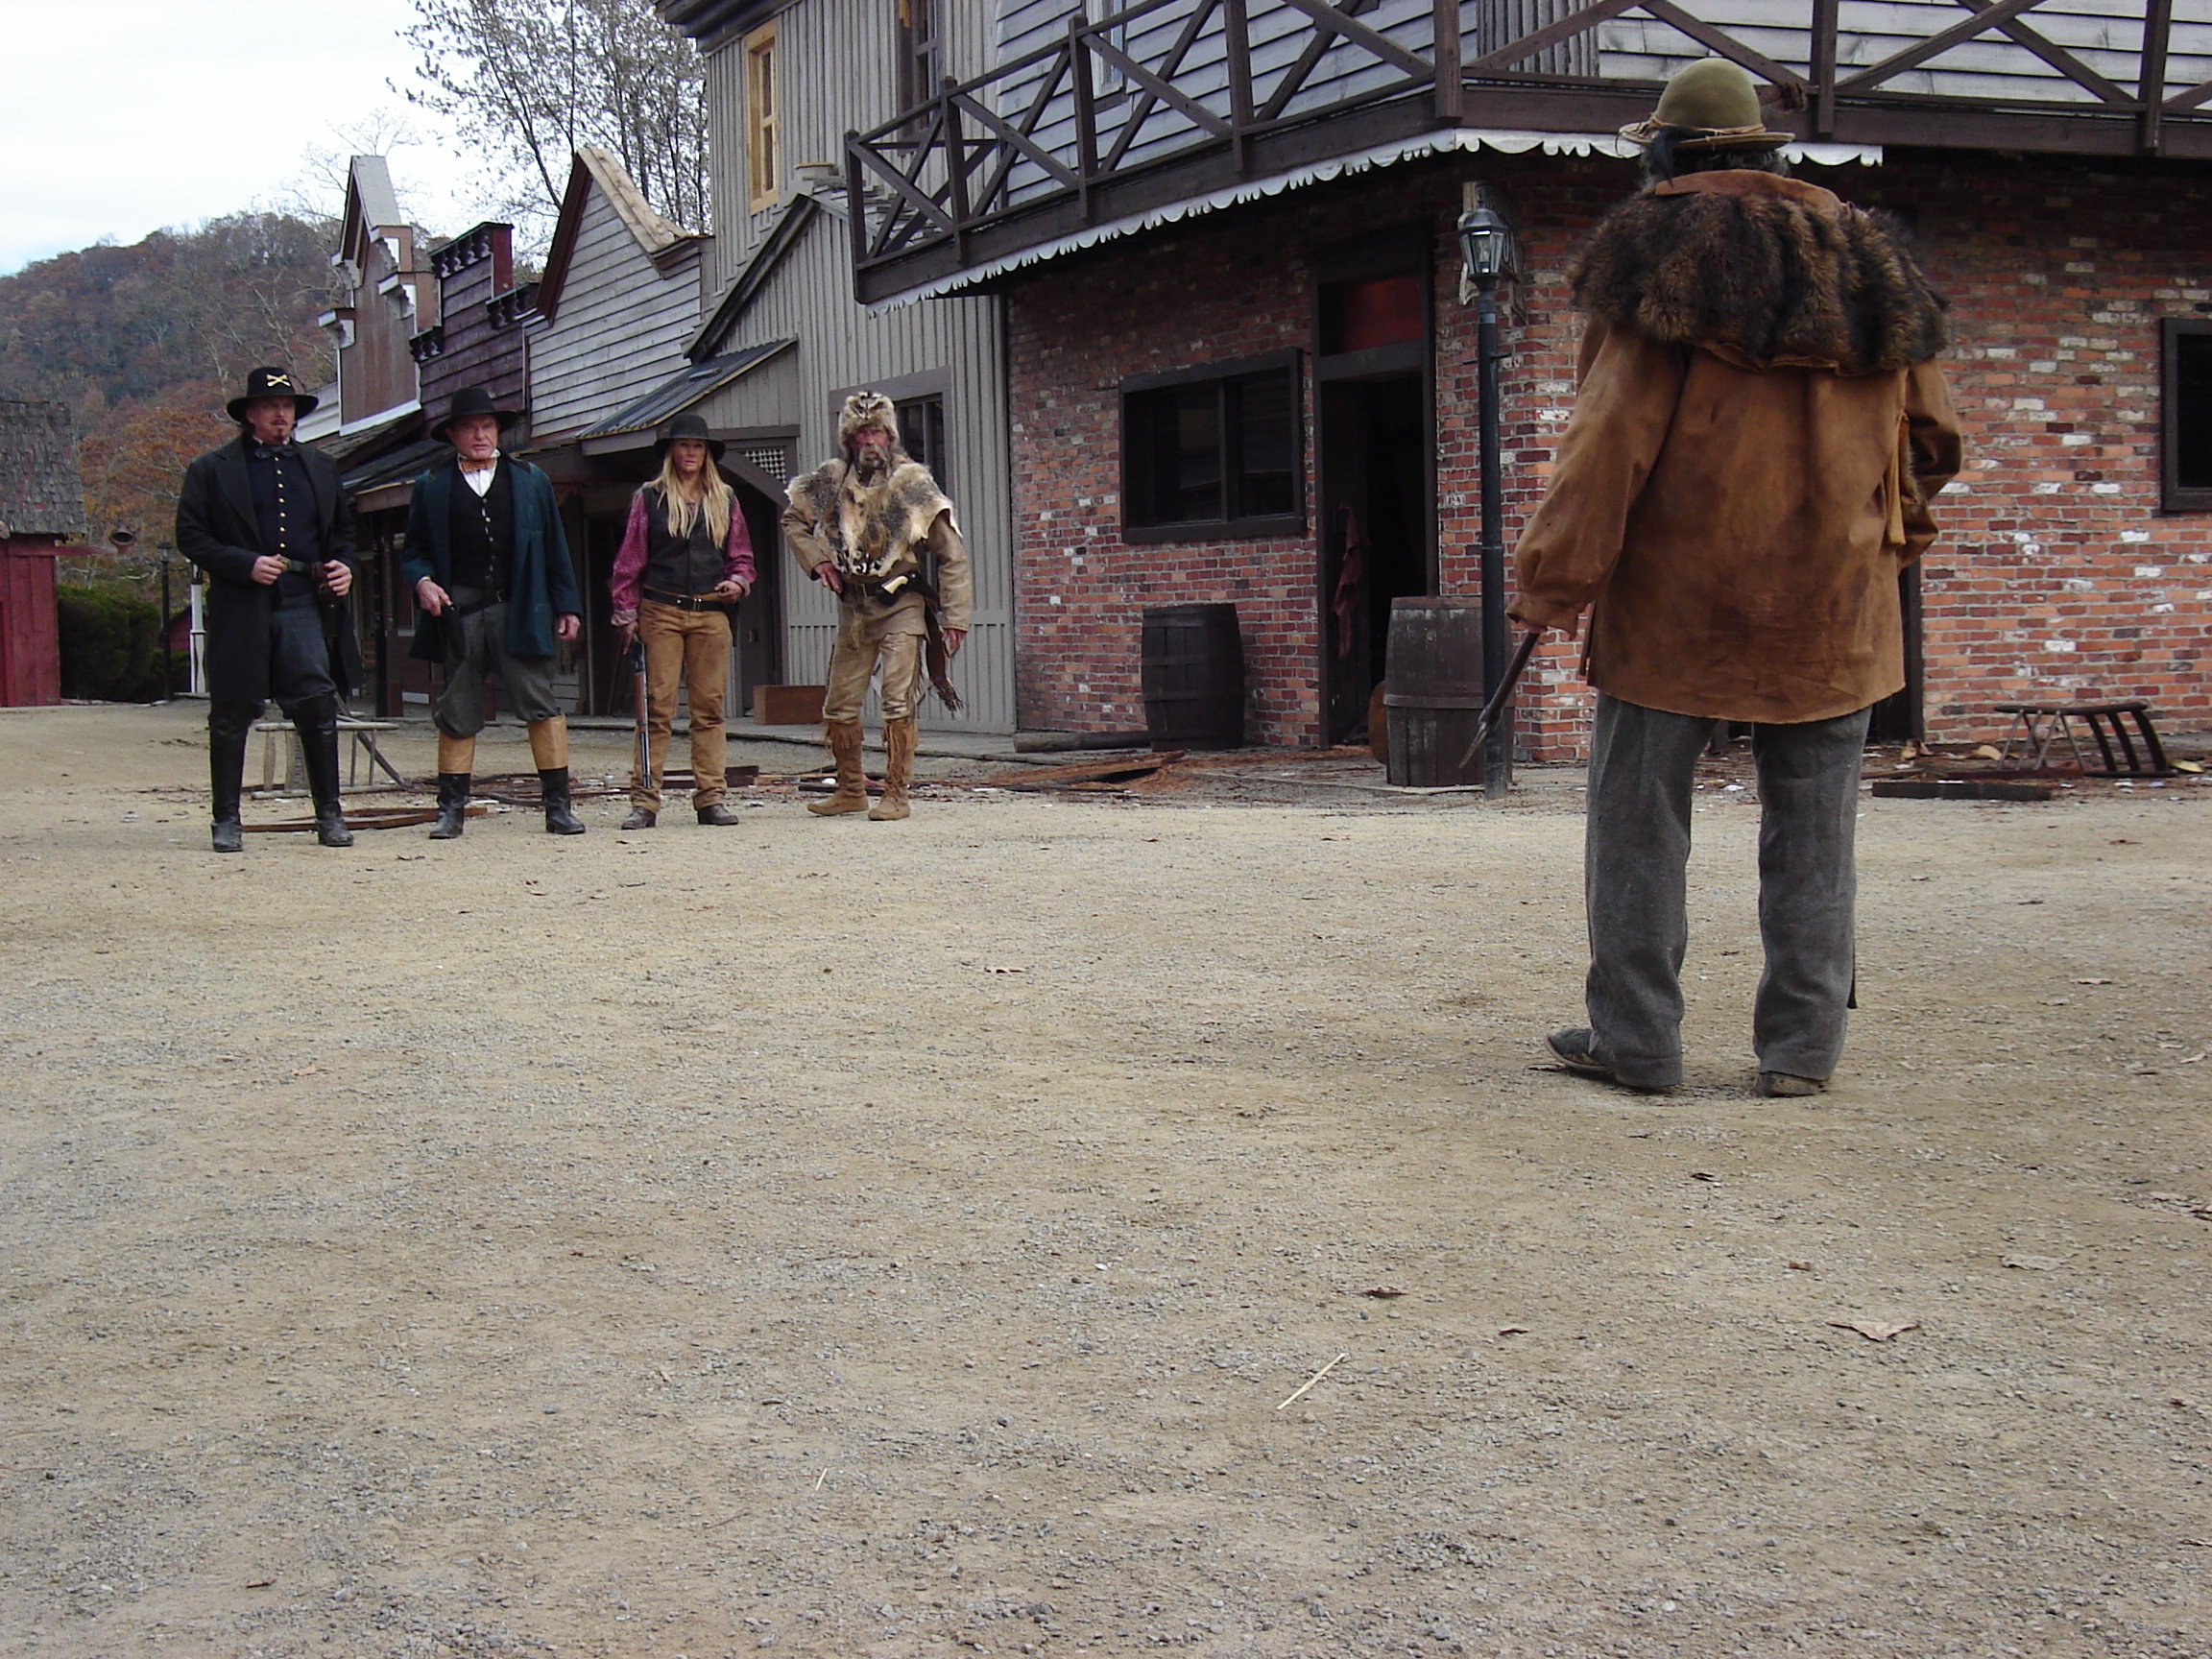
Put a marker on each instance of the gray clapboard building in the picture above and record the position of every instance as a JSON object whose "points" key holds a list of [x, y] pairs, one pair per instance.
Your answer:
{"points": [[787, 80]]}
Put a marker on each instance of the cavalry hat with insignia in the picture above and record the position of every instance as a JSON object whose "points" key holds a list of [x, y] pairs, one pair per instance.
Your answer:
{"points": [[1719, 101], [271, 383]]}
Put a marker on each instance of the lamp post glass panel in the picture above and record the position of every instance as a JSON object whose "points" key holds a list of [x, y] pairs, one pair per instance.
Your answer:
{"points": [[1490, 252]]}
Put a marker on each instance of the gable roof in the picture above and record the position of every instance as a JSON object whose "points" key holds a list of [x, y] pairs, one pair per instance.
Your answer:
{"points": [[371, 207], [661, 239]]}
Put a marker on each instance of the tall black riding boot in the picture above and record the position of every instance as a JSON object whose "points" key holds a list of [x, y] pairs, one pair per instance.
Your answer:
{"points": [[452, 805], [560, 819], [317, 723], [230, 728]]}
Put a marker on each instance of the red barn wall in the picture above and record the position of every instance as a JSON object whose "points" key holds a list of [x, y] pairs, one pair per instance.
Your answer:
{"points": [[30, 638]]}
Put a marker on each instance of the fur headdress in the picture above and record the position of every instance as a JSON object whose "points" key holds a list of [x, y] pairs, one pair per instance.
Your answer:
{"points": [[864, 409], [1771, 270]]}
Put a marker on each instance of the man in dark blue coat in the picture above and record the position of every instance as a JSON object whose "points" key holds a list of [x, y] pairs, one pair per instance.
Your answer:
{"points": [[496, 589], [265, 517]]}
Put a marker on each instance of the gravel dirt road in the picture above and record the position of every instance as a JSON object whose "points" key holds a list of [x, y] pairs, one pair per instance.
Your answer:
{"points": [[842, 1239]]}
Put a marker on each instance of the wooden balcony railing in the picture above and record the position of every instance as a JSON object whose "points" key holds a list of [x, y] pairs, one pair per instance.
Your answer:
{"points": [[1166, 101]]}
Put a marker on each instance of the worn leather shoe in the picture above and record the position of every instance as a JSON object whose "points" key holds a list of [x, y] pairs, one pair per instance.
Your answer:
{"points": [[1575, 1047], [330, 826], [1789, 1086], [640, 819], [230, 835], [719, 816]]}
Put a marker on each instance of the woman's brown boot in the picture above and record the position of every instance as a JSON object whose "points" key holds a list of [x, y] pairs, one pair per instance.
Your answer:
{"points": [[851, 781], [898, 770]]}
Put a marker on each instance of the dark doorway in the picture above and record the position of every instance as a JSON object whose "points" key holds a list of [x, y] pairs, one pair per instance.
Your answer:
{"points": [[756, 625], [1374, 532], [1897, 719], [1374, 457]]}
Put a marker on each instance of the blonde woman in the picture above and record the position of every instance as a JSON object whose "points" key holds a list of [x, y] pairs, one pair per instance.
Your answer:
{"points": [[686, 557]]}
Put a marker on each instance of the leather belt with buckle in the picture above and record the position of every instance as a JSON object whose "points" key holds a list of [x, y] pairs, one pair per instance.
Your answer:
{"points": [[682, 601]]}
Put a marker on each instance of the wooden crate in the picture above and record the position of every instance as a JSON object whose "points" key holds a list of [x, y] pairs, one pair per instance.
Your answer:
{"points": [[788, 705]]}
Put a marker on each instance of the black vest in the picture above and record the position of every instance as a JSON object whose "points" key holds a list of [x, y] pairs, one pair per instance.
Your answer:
{"points": [[482, 531], [690, 564]]}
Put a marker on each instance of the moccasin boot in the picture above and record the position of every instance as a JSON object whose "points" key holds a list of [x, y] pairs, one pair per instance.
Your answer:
{"points": [[452, 806], [851, 781], [897, 771], [560, 817]]}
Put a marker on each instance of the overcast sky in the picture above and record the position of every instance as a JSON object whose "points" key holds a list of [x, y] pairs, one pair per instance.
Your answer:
{"points": [[127, 116]]}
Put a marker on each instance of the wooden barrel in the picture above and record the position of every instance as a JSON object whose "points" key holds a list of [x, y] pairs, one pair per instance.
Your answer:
{"points": [[1192, 670], [1434, 698]]}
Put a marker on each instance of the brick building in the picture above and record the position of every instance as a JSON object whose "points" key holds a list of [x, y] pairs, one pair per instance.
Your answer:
{"points": [[2058, 575], [1293, 339]]}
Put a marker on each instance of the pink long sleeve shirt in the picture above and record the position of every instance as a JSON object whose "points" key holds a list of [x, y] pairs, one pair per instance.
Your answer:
{"points": [[629, 576]]}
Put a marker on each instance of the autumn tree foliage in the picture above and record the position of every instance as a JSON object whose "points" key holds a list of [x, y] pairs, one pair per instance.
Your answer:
{"points": [[145, 342], [532, 79]]}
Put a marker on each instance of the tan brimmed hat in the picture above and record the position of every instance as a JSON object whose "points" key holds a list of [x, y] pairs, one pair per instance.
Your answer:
{"points": [[1719, 100]]}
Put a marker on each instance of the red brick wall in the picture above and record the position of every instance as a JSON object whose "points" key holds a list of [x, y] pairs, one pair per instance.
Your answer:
{"points": [[2057, 575]]}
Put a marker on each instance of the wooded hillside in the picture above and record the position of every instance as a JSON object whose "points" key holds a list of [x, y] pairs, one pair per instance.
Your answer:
{"points": [[145, 342]]}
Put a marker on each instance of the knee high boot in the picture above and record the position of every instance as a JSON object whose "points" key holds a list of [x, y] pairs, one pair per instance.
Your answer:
{"points": [[898, 740], [317, 723], [456, 760], [851, 780], [230, 728], [549, 749]]}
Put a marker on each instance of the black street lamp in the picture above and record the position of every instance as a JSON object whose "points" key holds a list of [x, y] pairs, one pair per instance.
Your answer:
{"points": [[1490, 252]]}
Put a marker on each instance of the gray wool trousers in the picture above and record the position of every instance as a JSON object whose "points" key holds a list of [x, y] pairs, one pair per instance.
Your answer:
{"points": [[1636, 855]]}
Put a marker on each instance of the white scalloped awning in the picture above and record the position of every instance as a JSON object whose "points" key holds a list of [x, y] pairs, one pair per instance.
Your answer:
{"points": [[1445, 141]]}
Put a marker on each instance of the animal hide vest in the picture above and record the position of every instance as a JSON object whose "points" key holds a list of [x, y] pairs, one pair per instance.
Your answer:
{"points": [[875, 532]]}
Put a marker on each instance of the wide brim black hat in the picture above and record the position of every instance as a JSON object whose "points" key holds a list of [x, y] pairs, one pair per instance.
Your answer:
{"points": [[474, 400], [686, 427], [271, 383]]}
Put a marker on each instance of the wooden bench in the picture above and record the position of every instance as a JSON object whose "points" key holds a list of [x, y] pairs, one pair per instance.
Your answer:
{"points": [[2036, 727], [363, 749]]}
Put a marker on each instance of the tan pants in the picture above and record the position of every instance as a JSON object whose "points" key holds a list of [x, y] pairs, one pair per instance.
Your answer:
{"points": [[898, 640], [688, 649]]}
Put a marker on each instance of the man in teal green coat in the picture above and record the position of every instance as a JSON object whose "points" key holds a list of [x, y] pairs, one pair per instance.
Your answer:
{"points": [[497, 591]]}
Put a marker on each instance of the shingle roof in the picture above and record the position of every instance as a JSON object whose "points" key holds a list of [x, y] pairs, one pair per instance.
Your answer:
{"points": [[680, 390], [40, 492]]}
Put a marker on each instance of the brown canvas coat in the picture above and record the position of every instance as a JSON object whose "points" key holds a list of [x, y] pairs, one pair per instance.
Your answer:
{"points": [[1758, 429]]}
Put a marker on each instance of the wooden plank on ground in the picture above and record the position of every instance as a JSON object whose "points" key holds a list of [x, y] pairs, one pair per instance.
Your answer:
{"points": [[1113, 770]]}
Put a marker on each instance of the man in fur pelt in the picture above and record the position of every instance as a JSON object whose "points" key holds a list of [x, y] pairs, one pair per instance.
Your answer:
{"points": [[1759, 428], [873, 527]]}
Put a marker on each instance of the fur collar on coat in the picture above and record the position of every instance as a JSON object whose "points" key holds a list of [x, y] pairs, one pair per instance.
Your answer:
{"points": [[872, 529], [1765, 271]]}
